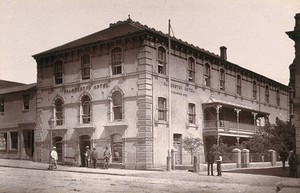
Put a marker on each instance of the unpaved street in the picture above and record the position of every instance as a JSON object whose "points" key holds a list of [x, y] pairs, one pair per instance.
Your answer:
{"points": [[26, 180]]}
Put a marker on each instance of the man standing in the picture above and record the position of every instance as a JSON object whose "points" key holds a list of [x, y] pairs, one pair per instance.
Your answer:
{"points": [[106, 156], [87, 155], [54, 158], [210, 162], [219, 162], [94, 157]]}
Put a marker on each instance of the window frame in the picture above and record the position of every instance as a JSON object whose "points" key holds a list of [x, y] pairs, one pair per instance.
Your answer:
{"points": [[86, 116], [117, 61], [239, 85], [161, 109], [117, 108], [267, 94], [207, 75], [161, 60], [26, 102], [58, 72], [85, 66], [192, 113], [278, 97], [191, 69], [254, 90], [2, 104], [59, 114], [222, 79]]}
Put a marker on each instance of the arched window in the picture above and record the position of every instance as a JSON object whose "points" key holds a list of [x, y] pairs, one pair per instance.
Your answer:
{"points": [[161, 60], [116, 143], [117, 106], [58, 72], [116, 60], [59, 115], [254, 90], [191, 69], [222, 79], [207, 75], [239, 85], [85, 66], [267, 94], [86, 109]]}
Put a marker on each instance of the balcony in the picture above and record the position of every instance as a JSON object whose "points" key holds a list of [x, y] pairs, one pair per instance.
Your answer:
{"points": [[228, 128]]}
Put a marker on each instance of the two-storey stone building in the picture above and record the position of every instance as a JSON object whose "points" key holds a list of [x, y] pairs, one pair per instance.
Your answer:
{"points": [[17, 120], [111, 88]]}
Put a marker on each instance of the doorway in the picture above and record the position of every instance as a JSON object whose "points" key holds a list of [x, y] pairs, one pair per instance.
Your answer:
{"points": [[59, 148], [177, 143], [84, 141]]}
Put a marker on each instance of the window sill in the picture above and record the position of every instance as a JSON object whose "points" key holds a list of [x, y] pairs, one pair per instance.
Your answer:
{"points": [[161, 122], [191, 125], [25, 110]]}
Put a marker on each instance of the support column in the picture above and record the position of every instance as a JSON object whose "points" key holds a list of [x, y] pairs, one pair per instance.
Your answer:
{"points": [[218, 123], [238, 123], [254, 120]]}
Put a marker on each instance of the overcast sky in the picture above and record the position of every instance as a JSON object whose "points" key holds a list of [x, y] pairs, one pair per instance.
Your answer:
{"points": [[252, 30]]}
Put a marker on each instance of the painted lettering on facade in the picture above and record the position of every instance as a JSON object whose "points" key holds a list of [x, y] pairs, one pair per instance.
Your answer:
{"points": [[86, 88], [179, 87]]}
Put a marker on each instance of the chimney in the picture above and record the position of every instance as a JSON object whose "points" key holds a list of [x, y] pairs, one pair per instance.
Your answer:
{"points": [[223, 53]]}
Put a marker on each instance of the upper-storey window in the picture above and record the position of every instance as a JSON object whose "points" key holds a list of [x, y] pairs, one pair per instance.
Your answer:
{"points": [[254, 90], [59, 114], [85, 66], [1, 105], [116, 60], [161, 60], [207, 75], [58, 72], [26, 102], [278, 97], [86, 109], [222, 79], [191, 69], [117, 105], [162, 109], [192, 113], [239, 85], [267, 94]]}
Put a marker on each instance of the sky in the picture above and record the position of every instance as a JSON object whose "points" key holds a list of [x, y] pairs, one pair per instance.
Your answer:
{"points": [[252, 30]]}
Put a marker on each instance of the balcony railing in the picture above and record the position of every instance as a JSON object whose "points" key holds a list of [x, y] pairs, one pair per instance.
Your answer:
{"points": [[228, 126]]}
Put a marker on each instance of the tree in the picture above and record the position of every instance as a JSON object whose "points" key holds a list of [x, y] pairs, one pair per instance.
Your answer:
{"points": [[279, 137], [192, 145]]}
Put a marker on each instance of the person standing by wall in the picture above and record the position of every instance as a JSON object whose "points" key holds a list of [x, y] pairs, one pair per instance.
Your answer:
{"points": [[219, 162], [283, 157], [293, 162], [106, 156], [210, 162], [87, 155], [94, 157], [54, 158]]}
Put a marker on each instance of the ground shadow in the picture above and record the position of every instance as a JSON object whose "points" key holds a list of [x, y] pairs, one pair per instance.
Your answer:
{"points": [[280, 172]]}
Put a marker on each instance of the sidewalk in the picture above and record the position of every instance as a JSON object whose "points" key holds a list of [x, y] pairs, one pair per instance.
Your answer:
{"points": [[43, 166]]}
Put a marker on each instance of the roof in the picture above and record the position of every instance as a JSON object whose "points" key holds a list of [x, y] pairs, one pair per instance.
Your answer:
{"points": [[5, 84], [17, 88], [233, 104]]}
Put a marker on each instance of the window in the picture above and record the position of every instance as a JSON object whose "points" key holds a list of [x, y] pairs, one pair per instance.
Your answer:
{"points": [[222, 79], [207, 75], [85, 67], [161, 60], [26, 102], [86, 109], [116, 59], [254, 90], [3, 142], [1, 105], [14, 140], [59, 112], [191, 70], [58, 72], [278, 97], [162, 109], [267, 94], [192, 113], [117, 106], [239, 85]]}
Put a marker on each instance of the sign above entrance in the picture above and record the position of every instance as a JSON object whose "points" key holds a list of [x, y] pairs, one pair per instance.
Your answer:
{"points": [[86, 88]]}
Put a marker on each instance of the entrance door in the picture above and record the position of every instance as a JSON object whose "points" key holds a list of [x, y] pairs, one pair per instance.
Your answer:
{"points": [[59, 148], [84, 141], [29, 142], [178, 147]]}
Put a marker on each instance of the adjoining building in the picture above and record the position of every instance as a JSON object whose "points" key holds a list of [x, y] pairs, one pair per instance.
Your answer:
{"points": [[111, 88], [17, 120]]}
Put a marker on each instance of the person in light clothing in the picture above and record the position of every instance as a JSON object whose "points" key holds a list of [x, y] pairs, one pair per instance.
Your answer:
{"points": [[54, 158], [219, 162]]}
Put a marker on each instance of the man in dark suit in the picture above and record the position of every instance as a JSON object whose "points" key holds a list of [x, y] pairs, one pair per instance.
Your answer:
{"points": [[94, 157], [210, 162]]}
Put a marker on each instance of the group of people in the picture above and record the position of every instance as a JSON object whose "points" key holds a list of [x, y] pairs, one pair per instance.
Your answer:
{"points": [[292, 160], [92, 156], [210, 163]]}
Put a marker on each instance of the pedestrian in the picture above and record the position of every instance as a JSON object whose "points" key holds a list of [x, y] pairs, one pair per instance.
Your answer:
{"points": [[87, 156], [283, 157], [54, 158], [94, 157], [106, 156], [219, 162], [293, 162], [210, 162]]}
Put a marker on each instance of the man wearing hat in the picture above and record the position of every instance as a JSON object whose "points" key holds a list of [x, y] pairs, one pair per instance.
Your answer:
{"points": [[87, 155], [54, 158]]}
